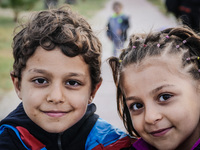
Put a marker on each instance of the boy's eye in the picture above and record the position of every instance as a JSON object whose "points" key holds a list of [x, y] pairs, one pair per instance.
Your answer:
{"points": [[136, 106], [40, 81], [164, 97], [72, 83]]}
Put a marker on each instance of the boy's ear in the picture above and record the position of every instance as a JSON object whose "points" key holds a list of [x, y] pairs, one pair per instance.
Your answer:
{"points": [[16, 84], [94, 91]]}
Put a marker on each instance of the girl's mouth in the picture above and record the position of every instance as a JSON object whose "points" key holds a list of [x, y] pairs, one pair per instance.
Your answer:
{"points": [[160, 132]]}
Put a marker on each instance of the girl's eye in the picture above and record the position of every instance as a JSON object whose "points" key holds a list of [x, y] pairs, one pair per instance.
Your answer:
{"points": [[136, 106], [40, 81], [164, 97], [72, 83]]}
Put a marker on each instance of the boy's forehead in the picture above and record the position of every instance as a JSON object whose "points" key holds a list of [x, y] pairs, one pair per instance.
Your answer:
{"points": [[44, 58]]}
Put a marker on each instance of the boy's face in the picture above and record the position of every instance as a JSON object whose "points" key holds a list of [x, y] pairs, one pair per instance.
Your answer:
{"points": [[55, 89], [117, 9], [163, 102]]}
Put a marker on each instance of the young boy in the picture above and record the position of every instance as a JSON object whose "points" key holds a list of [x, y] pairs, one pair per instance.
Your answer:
{"points": [[118, 25], [56, 73]]}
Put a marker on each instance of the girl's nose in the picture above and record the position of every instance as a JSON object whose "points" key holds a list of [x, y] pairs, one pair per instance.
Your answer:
{"points": [[152, 115], [55, 94]]}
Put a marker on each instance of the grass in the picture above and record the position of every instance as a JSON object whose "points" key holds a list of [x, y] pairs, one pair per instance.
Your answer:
{"points": [[6, 60], [160, 4], [90, 8], [87, 9]]}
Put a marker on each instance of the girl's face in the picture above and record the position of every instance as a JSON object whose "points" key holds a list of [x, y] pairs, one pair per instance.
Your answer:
{"points": [[55, 89], [164, 103]]}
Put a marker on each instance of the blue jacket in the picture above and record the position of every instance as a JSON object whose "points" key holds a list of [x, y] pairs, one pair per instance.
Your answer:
{"points": [[118, 22], [90, 133]]}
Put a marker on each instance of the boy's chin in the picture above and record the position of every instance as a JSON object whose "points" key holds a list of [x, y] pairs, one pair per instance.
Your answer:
{"points": [[57, 129]]}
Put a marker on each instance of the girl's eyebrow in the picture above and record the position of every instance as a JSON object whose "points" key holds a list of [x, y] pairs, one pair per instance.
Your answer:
{"points": [[132, 98], [160, 88], [152, 92]]}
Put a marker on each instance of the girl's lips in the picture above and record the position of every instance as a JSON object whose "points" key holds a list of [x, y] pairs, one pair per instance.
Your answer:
{"points": [[160, 132], [55, 113]]}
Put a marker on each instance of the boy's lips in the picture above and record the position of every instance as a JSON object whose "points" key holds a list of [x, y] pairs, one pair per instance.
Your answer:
{"points": [[160, 132], [55, 113]]}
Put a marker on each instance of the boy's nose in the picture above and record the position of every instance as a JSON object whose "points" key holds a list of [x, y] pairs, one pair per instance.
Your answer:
{"points": [[55, 94], [152, 115]]}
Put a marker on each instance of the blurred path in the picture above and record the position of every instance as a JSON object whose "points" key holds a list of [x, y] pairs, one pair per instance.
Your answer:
{"points": [[143, 18]]}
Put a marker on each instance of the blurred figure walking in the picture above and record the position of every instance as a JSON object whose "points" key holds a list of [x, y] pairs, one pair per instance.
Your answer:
{"points": [[118, 25]]}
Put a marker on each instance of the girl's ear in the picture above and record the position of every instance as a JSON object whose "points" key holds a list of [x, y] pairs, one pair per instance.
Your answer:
{"points": [[94, 92], [16, 84]]}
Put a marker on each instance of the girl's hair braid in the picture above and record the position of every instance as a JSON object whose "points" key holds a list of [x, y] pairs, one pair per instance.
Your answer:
{"points": [[174, 41]]}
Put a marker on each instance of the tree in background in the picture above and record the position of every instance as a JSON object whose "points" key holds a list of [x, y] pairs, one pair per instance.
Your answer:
{"points": [[50, 4], [17, 6], [70, 1]]}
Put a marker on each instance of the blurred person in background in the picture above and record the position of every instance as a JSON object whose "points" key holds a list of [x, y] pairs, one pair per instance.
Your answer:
{"points": [[118, 25]]}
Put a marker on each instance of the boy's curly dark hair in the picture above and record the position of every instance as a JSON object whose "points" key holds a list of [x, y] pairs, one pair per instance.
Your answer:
{"points": [[178, 41], [58, 28]]}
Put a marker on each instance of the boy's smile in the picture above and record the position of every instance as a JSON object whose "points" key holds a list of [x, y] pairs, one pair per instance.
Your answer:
{"points": [[55, 89], [163, 103]]}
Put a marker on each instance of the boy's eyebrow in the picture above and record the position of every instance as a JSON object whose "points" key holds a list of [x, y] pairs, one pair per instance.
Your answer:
{"points": [[34, 70], [152, 92], [70, 74]]}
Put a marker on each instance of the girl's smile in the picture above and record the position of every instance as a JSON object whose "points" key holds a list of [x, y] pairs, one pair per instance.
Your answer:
{"points": [[160, 132], [163, 102]]}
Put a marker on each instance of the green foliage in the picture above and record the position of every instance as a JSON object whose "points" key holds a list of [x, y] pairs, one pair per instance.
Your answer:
{"points": [[5, 69], [18, 4], [6, 60], [87, 8], [160, 4]]}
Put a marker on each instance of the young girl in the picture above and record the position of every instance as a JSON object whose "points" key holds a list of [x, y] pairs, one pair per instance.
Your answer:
{"points": [[158, 89], [56, 73]]}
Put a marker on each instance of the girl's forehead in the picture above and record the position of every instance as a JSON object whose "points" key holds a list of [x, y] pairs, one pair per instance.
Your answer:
{"points": [[155, 71], [172, 63]]}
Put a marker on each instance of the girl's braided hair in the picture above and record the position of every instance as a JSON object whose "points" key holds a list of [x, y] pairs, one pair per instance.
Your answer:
{"points": [[180, 41]]}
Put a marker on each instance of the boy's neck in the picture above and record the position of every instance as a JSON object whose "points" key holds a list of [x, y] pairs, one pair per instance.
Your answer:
{"points": [[117, 14]]}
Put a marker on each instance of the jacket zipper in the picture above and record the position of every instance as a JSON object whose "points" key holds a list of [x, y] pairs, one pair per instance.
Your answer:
{"points": [[59, 141]]}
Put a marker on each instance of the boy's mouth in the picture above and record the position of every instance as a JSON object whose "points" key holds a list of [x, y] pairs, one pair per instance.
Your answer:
{"points": [[55, 113]]}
